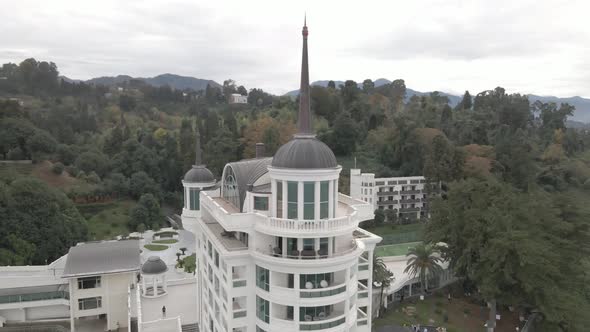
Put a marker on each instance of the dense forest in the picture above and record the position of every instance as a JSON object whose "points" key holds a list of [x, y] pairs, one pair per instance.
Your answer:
{"points": [[514, 213]]}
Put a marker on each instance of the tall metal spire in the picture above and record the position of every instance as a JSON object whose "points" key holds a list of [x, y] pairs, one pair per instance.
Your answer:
{"points": [[304, 123], [198, 161]]}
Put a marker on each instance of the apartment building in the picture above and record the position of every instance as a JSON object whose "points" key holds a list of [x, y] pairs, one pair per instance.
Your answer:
{"points": [[406, 196]]}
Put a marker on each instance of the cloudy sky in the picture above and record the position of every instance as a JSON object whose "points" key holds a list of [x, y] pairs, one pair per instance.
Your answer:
{"points": [[540, 47]]}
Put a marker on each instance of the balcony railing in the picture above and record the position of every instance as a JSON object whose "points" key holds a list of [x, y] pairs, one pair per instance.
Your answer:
{"points": [[308, 254], [389, 201], [409, 192], [415, 200], [387, 193], [323, 323], [323, 292], [35, 297], [308, 226]]}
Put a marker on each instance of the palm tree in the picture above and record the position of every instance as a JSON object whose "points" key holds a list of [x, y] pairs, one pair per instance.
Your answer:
{"points": [[381, 275], [424, 261]]}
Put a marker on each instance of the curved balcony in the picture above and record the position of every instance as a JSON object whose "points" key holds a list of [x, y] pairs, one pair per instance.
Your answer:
{"points": [[287, 227], [312, 258]]}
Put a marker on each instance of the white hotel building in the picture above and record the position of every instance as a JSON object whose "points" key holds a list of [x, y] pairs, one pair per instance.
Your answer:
{"points": [[404, 195], [278, 248]]}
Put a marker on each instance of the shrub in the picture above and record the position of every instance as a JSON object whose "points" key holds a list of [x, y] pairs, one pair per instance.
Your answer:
{"points": [[445, 316], [113, 224], [466, 311], [438, 311], [438, 303], [57, 168], [587, 184], [73, 170]]}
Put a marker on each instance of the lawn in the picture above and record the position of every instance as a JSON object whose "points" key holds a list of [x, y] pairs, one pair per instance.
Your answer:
{"points": [[166, 241], [107, 220], [389, 229], [464, 314], [155, 247], [400, 249]]}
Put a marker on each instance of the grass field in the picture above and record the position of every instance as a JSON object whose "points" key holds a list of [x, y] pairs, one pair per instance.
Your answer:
{"points": [[388, 229], [107, 220], [166, 241], [155, 247], [394, 249]]}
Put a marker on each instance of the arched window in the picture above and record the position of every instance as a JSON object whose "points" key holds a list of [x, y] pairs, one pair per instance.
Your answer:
{"points": [[230, 188]]}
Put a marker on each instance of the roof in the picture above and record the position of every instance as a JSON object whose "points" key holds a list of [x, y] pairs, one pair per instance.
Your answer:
{"points": [[154, 265], [304, 152], [199, 174], [102, 258], [247, 172]]}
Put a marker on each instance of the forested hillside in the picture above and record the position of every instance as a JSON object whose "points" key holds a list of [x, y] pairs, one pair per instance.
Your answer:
{"points": [[517, 179]]}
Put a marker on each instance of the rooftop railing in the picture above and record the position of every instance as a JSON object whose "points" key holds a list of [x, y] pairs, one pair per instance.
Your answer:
{"points": [[42, 296]]}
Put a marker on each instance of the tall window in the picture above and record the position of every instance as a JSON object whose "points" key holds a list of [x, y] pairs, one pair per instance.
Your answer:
{"points": [[262, 309], [230, 188], [262, 279], [279, 199], [308, 200], [194, 198], [90, 303], [292, 200], [324, 198], [315, 279], [88, 282], [324, 246], [308, 244]]}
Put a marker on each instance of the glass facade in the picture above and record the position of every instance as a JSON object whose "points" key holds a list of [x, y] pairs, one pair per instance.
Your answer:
{"points": [[279, 199], [292, 199], [308, 200], [193, 198], [315, 280], [262, 278], [324, 199], [261, 203], [262, 309]]}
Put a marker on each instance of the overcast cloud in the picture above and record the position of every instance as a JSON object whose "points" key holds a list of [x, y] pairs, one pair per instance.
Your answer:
{"points": [[540, 47]]}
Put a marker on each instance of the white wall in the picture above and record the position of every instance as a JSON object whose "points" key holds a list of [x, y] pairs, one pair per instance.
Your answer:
{"points": [[48, 312]]}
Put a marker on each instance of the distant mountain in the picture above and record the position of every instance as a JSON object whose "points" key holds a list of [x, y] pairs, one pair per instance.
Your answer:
{"points": [[174, 81], [581, 114]]}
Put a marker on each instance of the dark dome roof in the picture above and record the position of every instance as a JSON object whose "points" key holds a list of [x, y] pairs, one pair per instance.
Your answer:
{"points": [[154, 265], [199, 174], [304, 152]]}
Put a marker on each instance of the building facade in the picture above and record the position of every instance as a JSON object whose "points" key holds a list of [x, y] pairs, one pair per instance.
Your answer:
{"points": [[278, 248], [407, 196]]}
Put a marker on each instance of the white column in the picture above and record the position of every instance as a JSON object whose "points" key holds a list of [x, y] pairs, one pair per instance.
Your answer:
{"points": [[143, 285], [108, 302], [155, 285], [73, 301], [164, 283]]}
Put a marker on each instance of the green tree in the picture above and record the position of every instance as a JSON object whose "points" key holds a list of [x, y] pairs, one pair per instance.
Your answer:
{"points": [[147, 212], [379, 217], [466, 102], [32, 213], [391, 216], [368, 86], [331, 85], [512, 245], [424, 261], [443, 162], [141, 184], [221, 149], [382, 276], [91, 161]]}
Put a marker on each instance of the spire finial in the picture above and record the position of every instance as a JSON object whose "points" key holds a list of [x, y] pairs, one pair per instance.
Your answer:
{"points": [[198, 161], [304, 123], [304, 19]]}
